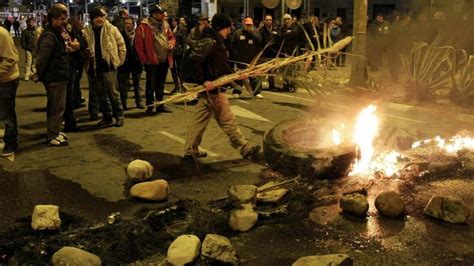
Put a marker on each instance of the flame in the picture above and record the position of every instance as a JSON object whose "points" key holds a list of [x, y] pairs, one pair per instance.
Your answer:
{"points": [[336, 137], [366, 130], [452, 145]]}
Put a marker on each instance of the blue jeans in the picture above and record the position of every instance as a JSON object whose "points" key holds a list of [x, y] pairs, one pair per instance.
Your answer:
{"points": [[7, 111]]}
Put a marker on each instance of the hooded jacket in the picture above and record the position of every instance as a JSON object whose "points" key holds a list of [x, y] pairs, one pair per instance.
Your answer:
{"points": [[112, 45], [145, 46]]}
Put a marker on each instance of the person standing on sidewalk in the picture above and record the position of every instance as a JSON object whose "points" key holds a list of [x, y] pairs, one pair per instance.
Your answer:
{"points": [[154, 43], [53, 70], [210, 58], [9, 79], [107, 52], [28, 43]]}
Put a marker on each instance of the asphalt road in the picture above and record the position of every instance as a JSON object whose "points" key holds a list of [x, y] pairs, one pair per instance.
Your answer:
{"points": [[88, 178]]}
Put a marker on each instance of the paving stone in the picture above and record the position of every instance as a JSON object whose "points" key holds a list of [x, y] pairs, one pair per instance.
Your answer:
{"points": [[152, 190], [390, 204], [243, 218], [139, 170], [449, 209], [71, 256], [355, 204], [45, 217], [218, 249], [324, 260], [184, 249]]}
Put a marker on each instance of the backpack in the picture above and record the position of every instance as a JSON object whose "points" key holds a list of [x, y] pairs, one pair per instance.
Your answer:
{"points": [[187, 69]]}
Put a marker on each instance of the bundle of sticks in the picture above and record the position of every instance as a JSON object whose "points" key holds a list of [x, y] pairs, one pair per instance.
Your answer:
{"points": [[254, 70]]}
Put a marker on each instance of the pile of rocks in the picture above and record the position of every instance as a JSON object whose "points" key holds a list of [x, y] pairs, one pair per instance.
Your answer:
{"points": [[390, 204], [140, 172]]}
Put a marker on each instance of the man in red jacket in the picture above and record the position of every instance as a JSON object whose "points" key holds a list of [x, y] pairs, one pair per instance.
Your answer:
{"points": [[154, 43]]}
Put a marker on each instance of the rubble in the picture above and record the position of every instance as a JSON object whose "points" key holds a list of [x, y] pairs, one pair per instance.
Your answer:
{"points": [[45, 217], [184, 249], [243, 218], [242, 194], [390, 204], [324, 260], [72, 256], [139, 170], [218, 249], [449, 209], [273, 195], [355, 204], [152, 190]]}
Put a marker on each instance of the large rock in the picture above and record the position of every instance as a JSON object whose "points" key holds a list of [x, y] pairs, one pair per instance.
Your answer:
{"points": [[449, 209], [45, 217], [184, 249], [218, 249], [242, 194], [244, 218], [152, 190], [324, 260], [390, 204], [355, 204], [139, 170], [72, 256]]}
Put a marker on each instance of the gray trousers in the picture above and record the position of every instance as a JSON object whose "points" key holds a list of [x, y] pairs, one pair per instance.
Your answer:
{"points": [[56, 93], [105, 85], [216, 105]]}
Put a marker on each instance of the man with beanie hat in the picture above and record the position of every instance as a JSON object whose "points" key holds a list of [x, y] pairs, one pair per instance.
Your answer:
{"points": [[154, 43], [107, 52], [210, 57]]}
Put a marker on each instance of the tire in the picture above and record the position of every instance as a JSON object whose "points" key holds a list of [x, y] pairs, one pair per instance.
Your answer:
{"points": [[327, 162]]}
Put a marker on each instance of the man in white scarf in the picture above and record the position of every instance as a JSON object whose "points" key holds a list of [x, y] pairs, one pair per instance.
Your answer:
{"points": [[107, 52]]}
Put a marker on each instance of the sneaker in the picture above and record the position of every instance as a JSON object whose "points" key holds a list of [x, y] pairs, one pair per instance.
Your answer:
{"points": [[236, 95], [191, 157], [9, 150], [64, 135], [27, 78], [58, 141], [254, 154], [119, 122], [259, 96], [105, 122]]}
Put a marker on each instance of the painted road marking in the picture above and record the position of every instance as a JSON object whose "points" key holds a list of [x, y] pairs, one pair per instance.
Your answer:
{"points": [[342, 106], [242, 101], [240, 111], [180, 140]]}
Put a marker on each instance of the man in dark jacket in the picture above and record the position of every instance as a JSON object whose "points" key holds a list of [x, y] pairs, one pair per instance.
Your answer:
{"points": [[131, 65], [269, 34], [53, 70], [290, 38], [210, 57], [245, 46], [28, 43]]}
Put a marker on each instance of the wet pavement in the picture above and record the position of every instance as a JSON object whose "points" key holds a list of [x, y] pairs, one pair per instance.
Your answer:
{"points": [[88, 181]]}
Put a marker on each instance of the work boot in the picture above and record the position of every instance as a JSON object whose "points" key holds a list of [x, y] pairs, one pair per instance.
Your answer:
{"points": [[163, 109], [140, 105], [149, 111], [119, 122], [106, 121], [254, 153]]}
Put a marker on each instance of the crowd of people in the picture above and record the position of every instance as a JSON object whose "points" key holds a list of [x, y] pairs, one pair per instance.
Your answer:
{"points": [[110, 53]]}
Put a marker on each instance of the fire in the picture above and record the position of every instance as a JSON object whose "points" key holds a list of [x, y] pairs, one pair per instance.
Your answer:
{"points": [[336, 137], [365, 132], [453, 145]]}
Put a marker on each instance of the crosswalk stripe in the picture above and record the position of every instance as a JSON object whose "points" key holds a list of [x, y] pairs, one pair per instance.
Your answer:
{"points": [[180, 140], [240, 111]]}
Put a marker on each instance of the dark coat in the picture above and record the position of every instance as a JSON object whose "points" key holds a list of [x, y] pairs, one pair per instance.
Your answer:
{"points": [[269, 36], [290, 39], [245, 45], [132, 61], [52, 63], [28, 41], [210, 57]]}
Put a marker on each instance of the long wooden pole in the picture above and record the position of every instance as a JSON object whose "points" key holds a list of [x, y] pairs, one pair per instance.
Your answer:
{"points": [[359, 75]]}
